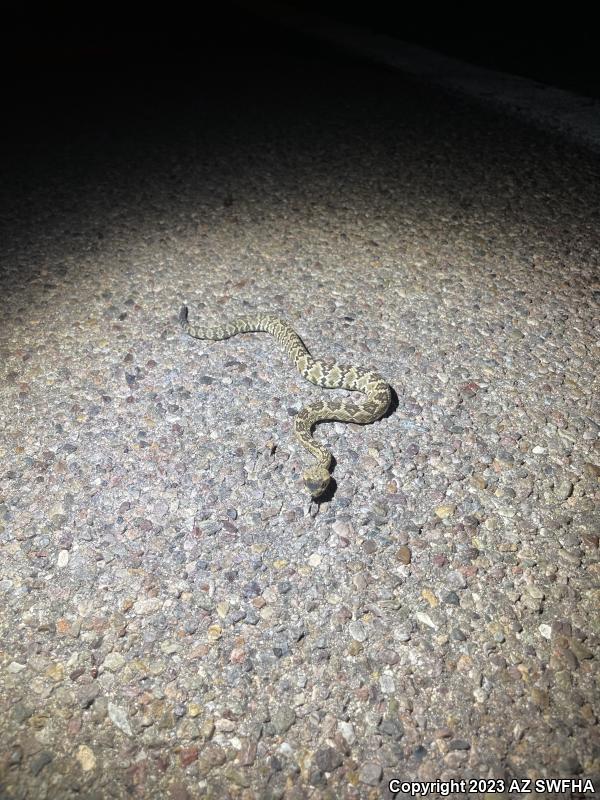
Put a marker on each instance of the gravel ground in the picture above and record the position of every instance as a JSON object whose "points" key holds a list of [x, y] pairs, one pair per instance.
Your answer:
{"points": [[179, 621]]}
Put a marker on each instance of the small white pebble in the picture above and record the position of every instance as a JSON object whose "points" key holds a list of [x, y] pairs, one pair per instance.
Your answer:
{"points": [[347, 731], [386, 683], [425, 619], [118, 717], [545, 630]]}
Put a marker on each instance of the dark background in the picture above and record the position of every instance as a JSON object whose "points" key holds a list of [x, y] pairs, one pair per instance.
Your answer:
{"points": [[109, 39], [552, 47]]}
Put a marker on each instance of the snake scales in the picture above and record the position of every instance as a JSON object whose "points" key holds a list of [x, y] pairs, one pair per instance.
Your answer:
{"points": [[328, 374]]}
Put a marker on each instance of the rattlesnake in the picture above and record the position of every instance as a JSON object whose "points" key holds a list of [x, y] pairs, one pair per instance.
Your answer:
{"points": [[328, 374]]}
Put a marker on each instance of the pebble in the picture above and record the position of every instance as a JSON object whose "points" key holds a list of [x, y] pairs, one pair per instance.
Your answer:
{"points": [[545, 630], [459, 744], [328, 759], [114, 661], [214, 754], [404, 632], [582, 652], [283, 719], [40, 761], [147, 606], [443, 512], [456, 581], [430, 597], [118, 717], [358, 631], [391, 727], [347, 731], [247, 753], [86, 757], [188, 755], [214, 632], [21, 712], [207, 729], [370, 773], [343, 529], [563, 490], [56, 672], [404, 554], [88, 695], [451, 598]]}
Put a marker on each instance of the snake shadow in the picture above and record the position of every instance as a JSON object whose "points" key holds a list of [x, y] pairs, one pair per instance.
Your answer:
{"points": [[331, 489], [394, 403]]}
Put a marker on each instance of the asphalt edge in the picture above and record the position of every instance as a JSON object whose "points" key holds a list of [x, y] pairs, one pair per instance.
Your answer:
{"points": [[575, 117]]}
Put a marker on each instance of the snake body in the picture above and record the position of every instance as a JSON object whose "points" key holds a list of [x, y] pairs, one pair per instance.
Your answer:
{"points": [[326, 373]]}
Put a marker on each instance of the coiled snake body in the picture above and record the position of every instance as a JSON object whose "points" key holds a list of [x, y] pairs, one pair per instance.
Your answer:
{"points": [[328, 374]]}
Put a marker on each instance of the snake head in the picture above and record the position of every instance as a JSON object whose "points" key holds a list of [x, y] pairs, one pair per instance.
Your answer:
{"points": [[316, 479]]}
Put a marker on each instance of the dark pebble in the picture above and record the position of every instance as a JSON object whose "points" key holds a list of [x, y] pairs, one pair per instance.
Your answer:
{"points": [[328, 759], [40, 761], [459, 744], [569, 765], [21, 712], [451, 598], [251, 589], [316, 777], [391, 727], [420, 752], [88, 695]]}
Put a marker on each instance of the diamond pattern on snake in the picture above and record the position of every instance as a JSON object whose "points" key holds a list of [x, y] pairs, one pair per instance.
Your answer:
{"points": [[328, 374]]}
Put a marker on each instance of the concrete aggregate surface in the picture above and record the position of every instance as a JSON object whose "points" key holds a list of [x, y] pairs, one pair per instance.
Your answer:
{"points": [[178, 620]]}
